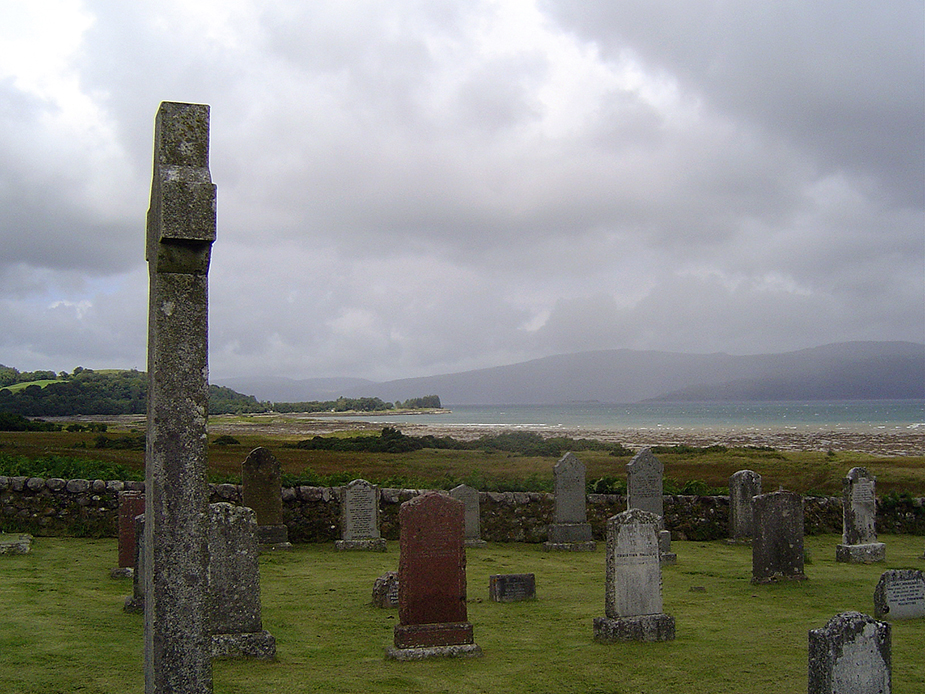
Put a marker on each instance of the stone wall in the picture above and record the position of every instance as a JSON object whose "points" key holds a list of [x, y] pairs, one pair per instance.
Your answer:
{"points": [[90, 508]]}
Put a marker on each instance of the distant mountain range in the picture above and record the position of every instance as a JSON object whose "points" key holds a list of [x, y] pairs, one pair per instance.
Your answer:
{"points": [[843, 371]]}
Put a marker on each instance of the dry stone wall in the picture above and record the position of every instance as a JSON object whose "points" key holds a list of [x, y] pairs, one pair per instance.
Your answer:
{"points": [[90, 508]]}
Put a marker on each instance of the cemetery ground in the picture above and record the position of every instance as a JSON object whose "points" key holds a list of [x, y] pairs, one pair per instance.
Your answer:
{"points": [[62, 628]]}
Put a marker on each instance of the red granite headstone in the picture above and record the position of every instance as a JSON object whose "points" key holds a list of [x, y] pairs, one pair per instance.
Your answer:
{"points": [[131, 504], [432, 573]]}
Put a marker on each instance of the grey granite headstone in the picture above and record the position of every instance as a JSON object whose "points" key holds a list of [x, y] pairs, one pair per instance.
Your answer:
{"points": [[852, 654], [633, 593], [470, 497], [743, 486], [233, 607], [15, 544], [512, 587], [385, 590], [859, 516], [777, 548], [180, 233], [571, 531], [645, 491], [261, 490], [360, 518], [900, 594]]}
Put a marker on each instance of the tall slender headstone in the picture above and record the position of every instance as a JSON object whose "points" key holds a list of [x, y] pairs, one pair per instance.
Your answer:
{"points": [[433, 619], [777, 548], [645, 491], [852, 654], [571, 531], [233, 607], [136, 601], [633, 594], [859, 520], [470, 497], [180, 233], [261, 490], [359, 518], [743, 486], [131, 504]]}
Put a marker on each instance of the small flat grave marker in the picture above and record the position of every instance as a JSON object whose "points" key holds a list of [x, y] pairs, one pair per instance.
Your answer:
{"points": [[512, 587]]}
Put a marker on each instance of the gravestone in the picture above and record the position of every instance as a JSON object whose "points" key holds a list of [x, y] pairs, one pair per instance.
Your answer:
{"points": [[234, 619], [360, 518], [850, 655], [571, 532], [385, 590], [900, 594], [743, 486], [777, 548], [432, 614], [15, 544], [633, 592], [512, 587], [136, 601], [261, 490], [645, 491], [859, 516], [131, 504], [180, 233], [470, 497]]}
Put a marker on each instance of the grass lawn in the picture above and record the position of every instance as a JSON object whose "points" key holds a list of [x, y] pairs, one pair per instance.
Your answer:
{"points": [[62, 628]]}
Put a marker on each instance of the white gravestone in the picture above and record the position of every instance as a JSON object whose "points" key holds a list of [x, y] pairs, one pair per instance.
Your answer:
{"points": [[360, 518], [900, 594]]}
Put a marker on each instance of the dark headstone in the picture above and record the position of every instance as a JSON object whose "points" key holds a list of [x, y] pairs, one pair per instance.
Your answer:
{"points": [[385, 590], [900, 594], [233, 608], [360, 518], [433, 620], [180, 232], [633, 590], [136, 601], [571, 532], [743, 486], [850, 655], [131, 504], [777, 548], [512, 587], [859, 515], [261, 490]]}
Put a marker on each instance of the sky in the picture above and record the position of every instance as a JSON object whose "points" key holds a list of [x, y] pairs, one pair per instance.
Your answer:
{"points": [[413, 188]]}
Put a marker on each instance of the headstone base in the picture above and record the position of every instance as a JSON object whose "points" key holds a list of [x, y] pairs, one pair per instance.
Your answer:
{"points": [[258, 644], [861, 554], [649, 627], [474, 542], [133, 605], [569, 546], [569, 533], [272, 537], [376, 545], [122, 572], [667, 558], [468, 650], [15, 544], [779, 578], [429, 635]]}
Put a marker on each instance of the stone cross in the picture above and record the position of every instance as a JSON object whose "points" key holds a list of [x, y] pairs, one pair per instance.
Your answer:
{"points": [[851, 654], [131, 504], [470, 497], [180, 232], [743, 486], [777, 548], [571, 531], [432, 612], [234, 619], [360, 518], [261, 490], [633, 591], [859, 517]]}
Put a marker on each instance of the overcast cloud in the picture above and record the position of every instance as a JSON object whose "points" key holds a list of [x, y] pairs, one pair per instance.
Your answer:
{"points": [[411, 188]]}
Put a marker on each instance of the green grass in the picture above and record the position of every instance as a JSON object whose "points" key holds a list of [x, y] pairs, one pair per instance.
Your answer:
{"points": [[16, 387], [62, 628]]}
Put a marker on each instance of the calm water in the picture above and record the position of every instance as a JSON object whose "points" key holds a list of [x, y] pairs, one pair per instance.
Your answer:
{"points": [[877, 415]]}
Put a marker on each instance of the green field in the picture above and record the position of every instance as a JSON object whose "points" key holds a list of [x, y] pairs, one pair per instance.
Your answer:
{"points": [[62, 628]]}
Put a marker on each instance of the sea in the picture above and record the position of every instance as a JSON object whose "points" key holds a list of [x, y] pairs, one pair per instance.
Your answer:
{"points": [[862, 416]]}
